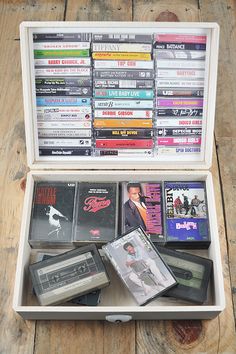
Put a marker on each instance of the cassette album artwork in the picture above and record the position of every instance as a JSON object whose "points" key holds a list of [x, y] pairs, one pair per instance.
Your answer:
{"points": [[96, 212], [52, 213], [139, 266], [142, 206], [186, 213]]}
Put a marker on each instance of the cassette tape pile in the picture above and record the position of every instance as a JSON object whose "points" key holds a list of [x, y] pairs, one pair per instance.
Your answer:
{"points": [[180, 61], [123, 94], [63, 80], [147, 214]]}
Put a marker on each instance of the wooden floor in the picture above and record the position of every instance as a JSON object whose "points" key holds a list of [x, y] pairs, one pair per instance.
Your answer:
{"points": [[18, 336]]}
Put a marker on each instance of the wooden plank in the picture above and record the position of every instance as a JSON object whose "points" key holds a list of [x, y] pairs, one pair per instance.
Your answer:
{"points": [[16, 335], [223, 12], [161, 10], [89, 336], [226, 152], [89, 10], [186, 336]]}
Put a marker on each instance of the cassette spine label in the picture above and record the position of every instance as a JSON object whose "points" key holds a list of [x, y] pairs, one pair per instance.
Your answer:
{"points": [[122, 37], [176, 102], [179, 132], [122, 47], [127, 104], [99, 113], [124, 133], [124, 143], [64, 142], [138, 94], [123, 74], [179, 112], [128, 64], [115, 84]]}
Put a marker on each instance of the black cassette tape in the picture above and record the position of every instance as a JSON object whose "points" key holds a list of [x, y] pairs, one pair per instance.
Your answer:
{"points": [[192, 273], [68, 275]]}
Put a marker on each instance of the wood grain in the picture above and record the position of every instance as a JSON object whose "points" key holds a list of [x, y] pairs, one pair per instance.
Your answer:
{"points": [[224, 13], [16, 335], [89, 10], [88, 336], [161, 10]]}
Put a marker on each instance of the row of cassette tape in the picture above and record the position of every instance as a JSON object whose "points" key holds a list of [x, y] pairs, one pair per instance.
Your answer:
{"points": [[120, 95]]}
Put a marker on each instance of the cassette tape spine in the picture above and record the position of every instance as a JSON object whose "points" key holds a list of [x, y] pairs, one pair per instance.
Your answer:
{"points": [[123, 94], [180, 61], [63, 81]]}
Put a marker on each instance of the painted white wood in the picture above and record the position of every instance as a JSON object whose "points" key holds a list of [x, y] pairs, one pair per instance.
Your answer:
{"points": [[203, 161]]}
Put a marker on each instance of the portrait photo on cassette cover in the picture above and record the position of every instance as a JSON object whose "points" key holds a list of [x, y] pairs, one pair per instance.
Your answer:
{"points": [[142, 206], [192, 273], [140, 266], [186, 215], [52, 214], [96, 212]]}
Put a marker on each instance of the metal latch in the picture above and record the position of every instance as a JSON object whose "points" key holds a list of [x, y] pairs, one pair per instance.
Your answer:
{"points": [[118, 318]]}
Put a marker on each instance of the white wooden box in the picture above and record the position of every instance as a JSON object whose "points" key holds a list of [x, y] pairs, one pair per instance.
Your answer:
{"points": [[116, 303]]}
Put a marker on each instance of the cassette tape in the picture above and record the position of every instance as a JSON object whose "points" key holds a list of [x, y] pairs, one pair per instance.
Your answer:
{"points": [[122, 37], [63, 62], [52, 113], [186, 215], [65, 142], [179, 132], [179, 112], [62, 277], [65, 151], [179, 38], [124, 143], [140, 266], [121, 56], [174, 83], [66, 81], [120, 64], [52, 212], [100, 113], [120, 84], [64, 124], [60, 53], [122, 47], [61, 37], [179, 92], [192, 273], [96, 212], [180, 102], [63, 91], [90, 299], [124, 74], [180, 73], [57, 44], [125, 104], [124, 152], [141, 205], [62, 71], [179, 64], [124, 94], [63, 101], [180, 141], [180, 122], [179, 54], [64, 133], [122, 123], [169, 150], [124, 133], [179, 46]]}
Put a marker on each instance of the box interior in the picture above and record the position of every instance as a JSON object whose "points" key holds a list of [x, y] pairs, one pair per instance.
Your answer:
{"points": [[116, 295], [196, 161]]}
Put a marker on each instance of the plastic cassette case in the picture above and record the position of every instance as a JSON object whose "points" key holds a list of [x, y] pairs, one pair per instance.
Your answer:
{"points": [[74, 164]]}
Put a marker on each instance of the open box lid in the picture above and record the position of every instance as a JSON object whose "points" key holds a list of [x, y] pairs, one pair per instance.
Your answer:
{"points": [[202, 160]]}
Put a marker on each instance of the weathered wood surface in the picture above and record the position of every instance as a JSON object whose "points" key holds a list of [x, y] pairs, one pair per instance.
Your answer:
{"points": [[18, 336]]}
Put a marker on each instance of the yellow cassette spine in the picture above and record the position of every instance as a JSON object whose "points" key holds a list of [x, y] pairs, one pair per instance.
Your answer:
{"points": [[121, 56]]}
